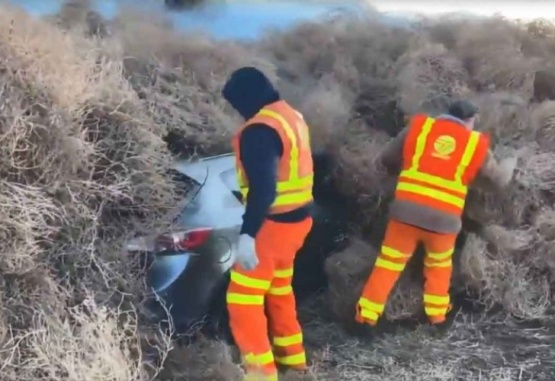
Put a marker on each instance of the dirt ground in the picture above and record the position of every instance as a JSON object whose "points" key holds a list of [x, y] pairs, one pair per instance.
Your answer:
{"points": [[92, 113]]}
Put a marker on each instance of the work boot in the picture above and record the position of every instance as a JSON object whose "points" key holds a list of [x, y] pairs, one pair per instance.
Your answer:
{"points": [[298, 375], [363, 330], [438, 330]]}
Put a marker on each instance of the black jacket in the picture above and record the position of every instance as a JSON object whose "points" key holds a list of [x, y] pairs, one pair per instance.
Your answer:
{"points": [[248, 90]]}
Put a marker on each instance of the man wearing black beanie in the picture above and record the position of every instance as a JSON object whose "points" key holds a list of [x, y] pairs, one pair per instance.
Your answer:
{"points": [[275, 175]]}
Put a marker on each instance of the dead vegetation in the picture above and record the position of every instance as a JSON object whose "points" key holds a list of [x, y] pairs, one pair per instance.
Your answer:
{"points": [[88, 107], [475, 348], [82, 166]]}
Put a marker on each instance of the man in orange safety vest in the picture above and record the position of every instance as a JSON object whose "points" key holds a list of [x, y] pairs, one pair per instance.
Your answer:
{"points": [[275, 175], [438, 158]]}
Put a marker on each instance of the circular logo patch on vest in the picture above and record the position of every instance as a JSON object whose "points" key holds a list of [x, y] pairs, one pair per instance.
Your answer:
{"points": [[444, 146]]}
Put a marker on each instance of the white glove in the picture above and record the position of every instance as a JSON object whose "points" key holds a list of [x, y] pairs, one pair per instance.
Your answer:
{"points": [[246, 252], [509, 164]]}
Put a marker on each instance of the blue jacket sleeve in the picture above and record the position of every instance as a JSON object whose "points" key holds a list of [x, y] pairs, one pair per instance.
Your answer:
{"points": [[260, 149]]}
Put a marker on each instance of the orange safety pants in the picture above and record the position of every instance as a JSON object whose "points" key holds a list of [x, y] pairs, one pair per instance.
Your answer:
{"points": [[268, 286], [399, 244]]}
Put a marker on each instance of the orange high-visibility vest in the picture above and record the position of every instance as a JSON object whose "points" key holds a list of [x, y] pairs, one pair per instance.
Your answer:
{"points": [[295, 168], [440, 159]]}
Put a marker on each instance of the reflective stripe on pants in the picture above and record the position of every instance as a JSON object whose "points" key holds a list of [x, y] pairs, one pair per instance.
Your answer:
{"points": [[399, 244], [260, 367]]}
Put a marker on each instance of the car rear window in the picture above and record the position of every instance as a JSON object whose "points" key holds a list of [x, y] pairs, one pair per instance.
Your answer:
{"points": [[184, 183]]}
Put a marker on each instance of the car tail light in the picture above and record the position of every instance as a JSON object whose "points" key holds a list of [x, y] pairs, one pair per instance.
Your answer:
{"points": [[184, 240]]}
